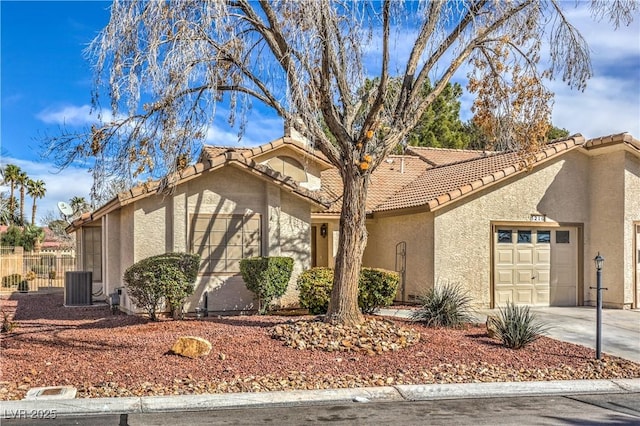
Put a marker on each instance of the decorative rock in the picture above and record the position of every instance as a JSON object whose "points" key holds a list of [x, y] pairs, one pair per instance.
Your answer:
{"points": [[372, 337], [191, 347]]}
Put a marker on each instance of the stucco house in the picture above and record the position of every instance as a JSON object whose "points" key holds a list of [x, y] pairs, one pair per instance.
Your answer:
{"points": [[484, 220]]}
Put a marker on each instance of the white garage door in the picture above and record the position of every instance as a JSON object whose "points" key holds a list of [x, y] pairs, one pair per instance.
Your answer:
{"points": [[536, 266]]}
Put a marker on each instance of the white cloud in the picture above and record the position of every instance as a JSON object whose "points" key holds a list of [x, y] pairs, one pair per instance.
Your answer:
{"points": [[73, 115], [60, 186]]}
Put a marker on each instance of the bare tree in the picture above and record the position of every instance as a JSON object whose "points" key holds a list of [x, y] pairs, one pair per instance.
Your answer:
{"points": [[167, 65]]}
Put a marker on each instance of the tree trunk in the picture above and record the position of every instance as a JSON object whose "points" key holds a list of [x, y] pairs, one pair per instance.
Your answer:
{"points": [[22, 205], [33, 213], [343, 306]]}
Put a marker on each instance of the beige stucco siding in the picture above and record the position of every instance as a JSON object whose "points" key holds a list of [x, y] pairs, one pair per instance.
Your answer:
{"points": [[606, 231], [632, 214], [416, 230], [462, 232], [294, 241], [113, 247], [152, 218]]}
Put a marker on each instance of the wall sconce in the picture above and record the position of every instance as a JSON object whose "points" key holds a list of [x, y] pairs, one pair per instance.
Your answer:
{"points": [[323, 230]]}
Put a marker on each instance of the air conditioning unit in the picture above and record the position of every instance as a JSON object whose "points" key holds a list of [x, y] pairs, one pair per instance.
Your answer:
{"points": [[77, 288]]}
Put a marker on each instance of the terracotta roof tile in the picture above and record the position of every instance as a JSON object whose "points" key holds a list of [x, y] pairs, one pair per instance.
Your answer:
{"points": [[442, 156], [440, 185], [625, 138], [391, 176]]}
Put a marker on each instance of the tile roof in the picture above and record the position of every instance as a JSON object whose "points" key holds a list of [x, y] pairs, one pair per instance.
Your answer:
{"points": [[213, 158], [624, 138], [422, 178], [455, 173], [442, 156], [389, 178], [440, 185]]}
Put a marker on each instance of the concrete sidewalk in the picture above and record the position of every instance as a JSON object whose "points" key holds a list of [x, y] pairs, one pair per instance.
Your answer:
{"points": [[158, 404]]}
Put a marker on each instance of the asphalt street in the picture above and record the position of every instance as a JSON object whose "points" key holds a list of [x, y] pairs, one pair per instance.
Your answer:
{"points": [[590, 409]]}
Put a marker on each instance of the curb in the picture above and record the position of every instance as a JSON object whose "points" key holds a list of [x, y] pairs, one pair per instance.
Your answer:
{"points": [[157, 404]]}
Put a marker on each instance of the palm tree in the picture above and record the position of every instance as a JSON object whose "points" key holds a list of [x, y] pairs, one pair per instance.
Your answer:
{"points": [[22, 181], [11, 173], [79, 205], [36, 189]]}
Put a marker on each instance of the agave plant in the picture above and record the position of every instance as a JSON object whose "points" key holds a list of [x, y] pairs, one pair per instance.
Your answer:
{"points": [[516, 326], [445, 305]]}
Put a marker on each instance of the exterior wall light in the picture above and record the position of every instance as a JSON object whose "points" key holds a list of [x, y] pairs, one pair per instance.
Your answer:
{"points": [[599, 261], [323, 230]]}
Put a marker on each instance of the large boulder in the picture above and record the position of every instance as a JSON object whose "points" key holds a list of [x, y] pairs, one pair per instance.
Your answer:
{"points": [[191, 347]]}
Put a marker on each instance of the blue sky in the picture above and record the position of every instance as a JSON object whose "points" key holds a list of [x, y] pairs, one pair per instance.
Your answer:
{"points": [[46, 82]]}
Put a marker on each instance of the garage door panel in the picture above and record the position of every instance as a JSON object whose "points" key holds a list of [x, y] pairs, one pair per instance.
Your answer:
{"points": [[543, 277], [524, 256], [523, 297], [523, 276], [542, 297], [504, 296], [542, 257], [504, 277], [504, 257]]}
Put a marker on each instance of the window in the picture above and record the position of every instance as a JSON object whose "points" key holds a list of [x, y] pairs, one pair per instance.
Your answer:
{"points": [[524, 237], [544, 237], [223, 240], [562, 237], [92, 251], [504, 236]]}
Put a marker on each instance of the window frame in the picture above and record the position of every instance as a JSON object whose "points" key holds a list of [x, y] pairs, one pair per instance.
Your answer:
{"points": [[89, 246], [211, 266]]}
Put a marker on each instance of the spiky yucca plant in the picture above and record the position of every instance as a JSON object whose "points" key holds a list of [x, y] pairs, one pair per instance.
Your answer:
{"points": [[445, 305], [516, 326]]}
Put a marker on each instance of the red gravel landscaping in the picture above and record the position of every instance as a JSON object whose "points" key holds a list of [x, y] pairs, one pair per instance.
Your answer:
{"points": [[118, 355]]}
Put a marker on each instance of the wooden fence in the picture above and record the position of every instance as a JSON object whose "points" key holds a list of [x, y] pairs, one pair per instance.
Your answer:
{"points": [[39, 270]]}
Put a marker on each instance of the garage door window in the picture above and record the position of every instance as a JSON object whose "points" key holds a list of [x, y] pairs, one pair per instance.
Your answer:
{"points": [[562, 237], [504, 236], [524, 237], [544, 237]]}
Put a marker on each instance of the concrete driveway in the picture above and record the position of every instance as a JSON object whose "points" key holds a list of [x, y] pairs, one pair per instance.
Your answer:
{"points": [[620, 328]]}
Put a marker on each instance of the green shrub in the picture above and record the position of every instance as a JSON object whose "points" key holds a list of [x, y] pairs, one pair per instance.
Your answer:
{"points": [[376, 288], [314, 287], [266, 277], [516, 326], [444, 306], [168, 278], [23, 286], [11, 280]]}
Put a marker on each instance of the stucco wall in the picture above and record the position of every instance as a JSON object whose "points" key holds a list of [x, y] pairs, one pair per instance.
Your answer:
{"points": [[127, 247], [295, 241], [310, 166], [632, 214], [462, 232], [606, 231], [113, 271], [416, 230]]}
